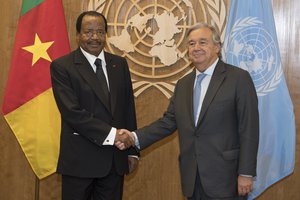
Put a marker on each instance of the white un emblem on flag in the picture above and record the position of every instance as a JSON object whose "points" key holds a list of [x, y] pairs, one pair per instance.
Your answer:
{"points": [[252, 48]]}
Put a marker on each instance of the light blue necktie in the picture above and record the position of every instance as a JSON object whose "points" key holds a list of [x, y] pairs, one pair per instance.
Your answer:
{"points": [[197, 93]]}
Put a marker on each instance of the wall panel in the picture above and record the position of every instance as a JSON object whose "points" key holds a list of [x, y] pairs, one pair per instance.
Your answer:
{"points": [[157, 176]]}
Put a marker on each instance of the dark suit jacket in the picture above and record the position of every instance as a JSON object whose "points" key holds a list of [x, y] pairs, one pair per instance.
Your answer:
{"points": [[224, 143], [86, 120]]}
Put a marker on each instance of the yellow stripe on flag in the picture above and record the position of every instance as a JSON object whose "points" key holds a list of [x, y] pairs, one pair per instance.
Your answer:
{"points": [[36, 125]]}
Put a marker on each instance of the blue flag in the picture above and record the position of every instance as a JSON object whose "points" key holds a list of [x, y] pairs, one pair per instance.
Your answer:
{"points": [[251, 44]]}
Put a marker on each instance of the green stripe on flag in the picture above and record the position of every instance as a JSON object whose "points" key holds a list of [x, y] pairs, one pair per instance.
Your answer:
{"points": [[27, 5]]}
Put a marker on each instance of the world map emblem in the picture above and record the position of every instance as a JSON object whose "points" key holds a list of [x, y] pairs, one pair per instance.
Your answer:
{"points": [[252, 48], [151, 36]]}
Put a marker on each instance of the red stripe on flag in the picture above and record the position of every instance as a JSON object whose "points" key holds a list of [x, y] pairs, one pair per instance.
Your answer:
{"points": [[26, 81]]}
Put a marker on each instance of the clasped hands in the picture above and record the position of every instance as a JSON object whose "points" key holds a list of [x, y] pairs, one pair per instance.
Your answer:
{"points": [[124, 139]]}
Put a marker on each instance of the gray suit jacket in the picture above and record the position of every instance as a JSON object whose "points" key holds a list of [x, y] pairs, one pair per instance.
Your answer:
{"points": [[224, 143]]}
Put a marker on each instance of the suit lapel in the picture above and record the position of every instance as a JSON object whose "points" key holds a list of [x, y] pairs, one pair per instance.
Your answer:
{"points": [[214, 85], [86, 71], [111, 67], [190, 94]]}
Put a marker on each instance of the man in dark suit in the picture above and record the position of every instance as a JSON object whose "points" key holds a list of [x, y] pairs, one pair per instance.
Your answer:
{"points": [[93, 92], [218, 130]]}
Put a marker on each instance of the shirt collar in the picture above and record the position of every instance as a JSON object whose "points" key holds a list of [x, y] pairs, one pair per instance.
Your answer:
{"points": [[91, 58], [210, 70]]}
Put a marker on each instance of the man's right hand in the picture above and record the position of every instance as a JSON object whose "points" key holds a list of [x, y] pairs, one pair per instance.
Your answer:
{"points": [[124, 139], [245, 185]]}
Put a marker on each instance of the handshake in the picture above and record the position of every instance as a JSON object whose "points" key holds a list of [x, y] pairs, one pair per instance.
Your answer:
{"points": [[124, 139]]}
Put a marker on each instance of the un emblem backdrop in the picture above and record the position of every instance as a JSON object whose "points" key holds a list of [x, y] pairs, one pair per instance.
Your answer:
{"points": [[151, 35]]}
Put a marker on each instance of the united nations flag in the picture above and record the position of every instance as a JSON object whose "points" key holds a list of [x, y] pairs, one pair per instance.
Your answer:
{"points": [[251, 43]]}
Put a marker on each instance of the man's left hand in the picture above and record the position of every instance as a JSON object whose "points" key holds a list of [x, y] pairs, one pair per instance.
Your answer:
{"points": [[132, 163]]}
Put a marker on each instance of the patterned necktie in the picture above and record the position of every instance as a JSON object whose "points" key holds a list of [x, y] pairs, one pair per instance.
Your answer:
{"points": [[197, 93], [102, 79]]}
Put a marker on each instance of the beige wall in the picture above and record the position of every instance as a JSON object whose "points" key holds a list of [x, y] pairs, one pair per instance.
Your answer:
{"points": [[17, 180]]}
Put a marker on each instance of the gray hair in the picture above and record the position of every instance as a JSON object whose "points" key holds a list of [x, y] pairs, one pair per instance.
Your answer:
{"points": [[215, 33]]}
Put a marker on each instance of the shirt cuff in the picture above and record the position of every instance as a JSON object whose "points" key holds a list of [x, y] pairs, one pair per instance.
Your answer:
{"points": [[134, 156], [137, 143], [248, 176], [110, 139]]}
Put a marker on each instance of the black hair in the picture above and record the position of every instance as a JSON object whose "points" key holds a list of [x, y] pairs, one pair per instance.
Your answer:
{"points": [[89, 13]]}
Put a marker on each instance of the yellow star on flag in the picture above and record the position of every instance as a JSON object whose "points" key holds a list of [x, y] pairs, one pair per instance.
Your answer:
{"points": [[39, 49]]}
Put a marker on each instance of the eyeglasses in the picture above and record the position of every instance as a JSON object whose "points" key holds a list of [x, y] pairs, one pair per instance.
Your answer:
{"points": [[90, 33]]}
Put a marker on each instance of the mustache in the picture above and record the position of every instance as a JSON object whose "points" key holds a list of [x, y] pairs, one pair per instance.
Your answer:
{"points": [[95, 42]]}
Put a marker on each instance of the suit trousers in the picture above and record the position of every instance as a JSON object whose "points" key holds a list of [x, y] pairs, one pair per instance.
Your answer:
{"points": [[109, 187], [199, 193]]}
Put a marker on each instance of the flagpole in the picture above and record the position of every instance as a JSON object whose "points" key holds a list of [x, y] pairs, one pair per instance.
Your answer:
{"points": [[37, 188]]}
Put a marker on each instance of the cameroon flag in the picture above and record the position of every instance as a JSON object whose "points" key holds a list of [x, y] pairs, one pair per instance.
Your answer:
{"points": [[28, 105]]}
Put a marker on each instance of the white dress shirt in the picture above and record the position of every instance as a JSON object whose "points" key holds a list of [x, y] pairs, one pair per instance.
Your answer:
{"points": [[110, 139], [204, 84]]}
